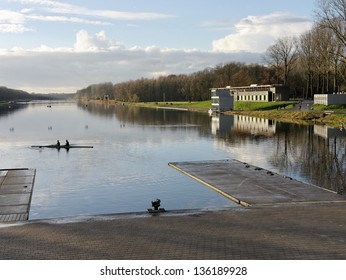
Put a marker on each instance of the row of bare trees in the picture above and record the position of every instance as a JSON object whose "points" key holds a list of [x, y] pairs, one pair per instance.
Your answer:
{"points": [[318, 55], [314, 62]]}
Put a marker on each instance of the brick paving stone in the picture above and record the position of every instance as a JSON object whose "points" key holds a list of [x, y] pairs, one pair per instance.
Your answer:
{"points": [[285, 232]]}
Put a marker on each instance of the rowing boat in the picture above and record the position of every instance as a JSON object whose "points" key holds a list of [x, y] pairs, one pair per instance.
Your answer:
{"points": [[62, 146]]}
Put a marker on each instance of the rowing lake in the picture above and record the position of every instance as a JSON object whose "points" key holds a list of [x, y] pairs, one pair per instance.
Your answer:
{"points": [[128, 166]]}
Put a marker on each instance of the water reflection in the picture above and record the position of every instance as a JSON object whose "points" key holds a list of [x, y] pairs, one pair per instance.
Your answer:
{"points": [[132, 145], [329, 132], [11, 108], [222, 125], [315, 153], [156, 117]]}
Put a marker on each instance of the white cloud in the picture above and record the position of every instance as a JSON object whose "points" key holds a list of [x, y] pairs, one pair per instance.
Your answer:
{"points": [[55, 11], [95, 59], [122, 15], [64, 8], [66, 19], [98, 42], [257, 33], [10, 16], [12, 22], [17, 22], [13, 28]]}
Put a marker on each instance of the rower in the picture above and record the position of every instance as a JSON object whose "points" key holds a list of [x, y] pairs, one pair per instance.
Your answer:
{"points": [[67, 143]]}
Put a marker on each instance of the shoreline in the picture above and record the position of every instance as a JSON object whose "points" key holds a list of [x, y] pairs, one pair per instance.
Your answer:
{"points": [[298, 117], [329, 118]]}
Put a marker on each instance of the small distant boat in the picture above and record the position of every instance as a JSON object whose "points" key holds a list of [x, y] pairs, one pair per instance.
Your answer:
{"points": [[63, 146]]}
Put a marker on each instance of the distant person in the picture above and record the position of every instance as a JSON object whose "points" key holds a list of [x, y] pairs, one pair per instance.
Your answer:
{"points": [[67, 143], [58, 143]]}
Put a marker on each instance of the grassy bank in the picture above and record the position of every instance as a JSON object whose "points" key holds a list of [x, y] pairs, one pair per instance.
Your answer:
{"points": [[306, 117], [320, 114], [268, 110], [262, 106], [195, 106]]}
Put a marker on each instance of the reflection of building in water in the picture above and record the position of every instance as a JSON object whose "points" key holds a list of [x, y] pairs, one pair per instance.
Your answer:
{"points": [[221, 124], [253, 125], [329, 132]]}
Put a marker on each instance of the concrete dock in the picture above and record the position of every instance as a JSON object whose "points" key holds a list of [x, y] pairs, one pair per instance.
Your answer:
{"points": [[250, 185], [16, 186]]}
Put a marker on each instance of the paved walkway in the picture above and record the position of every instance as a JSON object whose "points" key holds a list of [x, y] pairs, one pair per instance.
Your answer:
{"points": [[316, 231]]}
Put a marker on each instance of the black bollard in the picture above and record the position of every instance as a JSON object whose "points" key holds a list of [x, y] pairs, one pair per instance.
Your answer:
{"points": [[156, 204]]}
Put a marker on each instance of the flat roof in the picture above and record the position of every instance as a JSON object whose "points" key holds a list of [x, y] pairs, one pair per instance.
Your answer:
{"points": [[253, 86]]}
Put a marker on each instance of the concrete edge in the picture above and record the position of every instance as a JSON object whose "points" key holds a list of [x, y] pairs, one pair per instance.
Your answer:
{"points": [[234, 199]]}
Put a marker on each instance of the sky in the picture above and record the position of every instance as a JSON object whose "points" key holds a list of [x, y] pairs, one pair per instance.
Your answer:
{"points": [[61, 46]]}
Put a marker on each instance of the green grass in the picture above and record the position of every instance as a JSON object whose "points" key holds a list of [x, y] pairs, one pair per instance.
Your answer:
{"points": [[320, 107], [178, 104], [238, 105], [262, 106], [198, 104]]}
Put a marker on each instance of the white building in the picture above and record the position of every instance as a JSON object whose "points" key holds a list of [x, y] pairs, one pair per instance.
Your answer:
{"points": [[221, 99], [252, 93], [330, 99], [261, 93]]}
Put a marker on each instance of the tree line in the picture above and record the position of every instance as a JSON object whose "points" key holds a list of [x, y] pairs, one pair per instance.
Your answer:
{"points": [[318, 56], [9, 94], [193, 87], [314, 62]]}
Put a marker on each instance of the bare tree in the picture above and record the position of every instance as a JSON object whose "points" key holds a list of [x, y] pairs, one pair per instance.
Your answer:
{"points": [[323, 58], [331, 14], [320, 60], [307, 53], [282, 56], [273, 58]]}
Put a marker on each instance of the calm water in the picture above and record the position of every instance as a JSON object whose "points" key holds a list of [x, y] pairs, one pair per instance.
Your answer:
{"points": [[128, 166]]}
